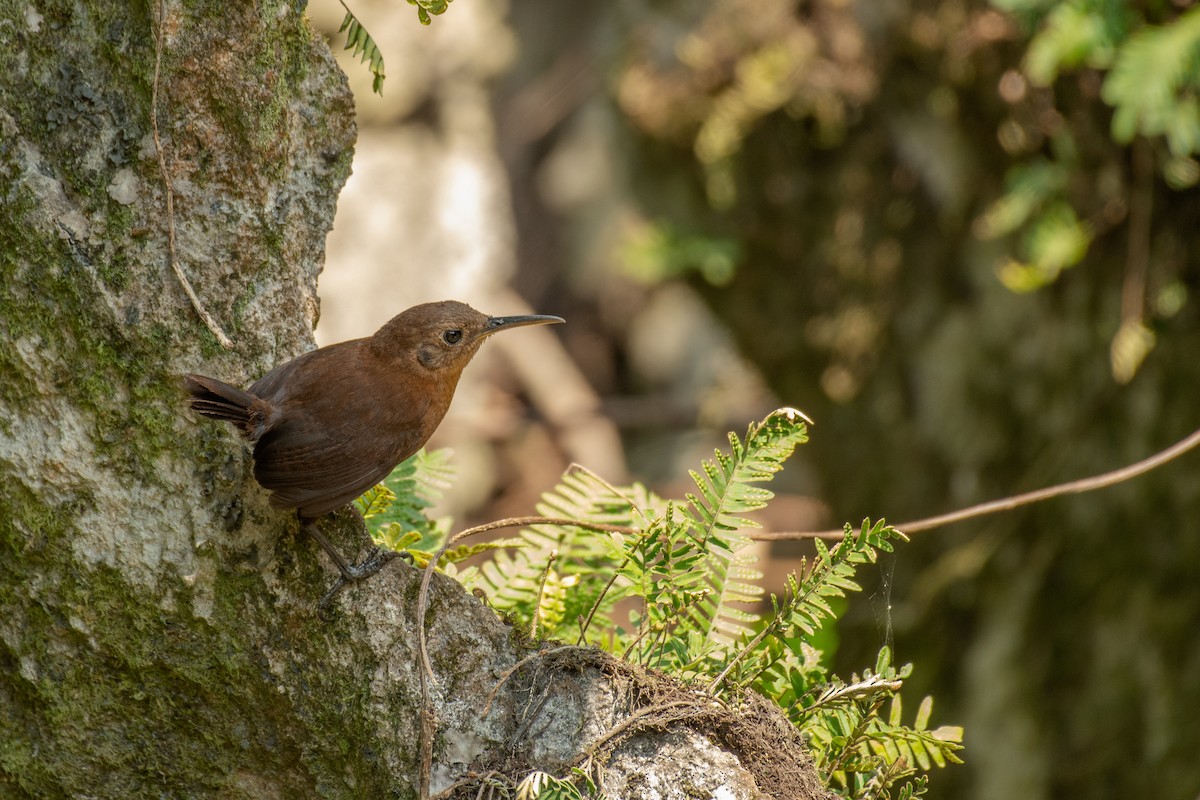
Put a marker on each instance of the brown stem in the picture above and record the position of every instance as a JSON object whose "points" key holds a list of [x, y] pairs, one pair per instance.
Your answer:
{"points": [[172, 257], [1007, 504], [428, 718]]}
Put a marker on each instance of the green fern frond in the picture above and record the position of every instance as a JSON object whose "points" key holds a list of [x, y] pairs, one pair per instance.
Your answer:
{"points": [[394, 537], [552, 605], [686, 564], [804, 607], [859, 747], [917, 744], [377, 500], [512, 579], [581, 494], [716, 513], [396, 507], [789, 669], [886, 776], [364, 47], [914, 788]]}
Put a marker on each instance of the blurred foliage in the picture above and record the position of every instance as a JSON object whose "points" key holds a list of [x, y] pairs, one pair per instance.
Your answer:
{"points": [[1151, 78], [966, 243], [655, 252], [739, 67]]}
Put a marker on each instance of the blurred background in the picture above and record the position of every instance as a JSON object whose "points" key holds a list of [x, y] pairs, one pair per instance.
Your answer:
{"points": [[962, 236]]}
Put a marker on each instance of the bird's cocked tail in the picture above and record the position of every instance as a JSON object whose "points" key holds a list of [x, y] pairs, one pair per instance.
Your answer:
{"points": [[218, 400]]}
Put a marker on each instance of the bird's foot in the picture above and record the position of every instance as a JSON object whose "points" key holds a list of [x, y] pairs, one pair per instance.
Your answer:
{"points": [[375, 561]]}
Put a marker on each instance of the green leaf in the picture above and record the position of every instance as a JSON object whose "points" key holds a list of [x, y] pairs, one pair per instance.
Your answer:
{"points": [[1027, 188], [1074, 33], [376, 501], [655, 252], [1058, 240], [1153, 84], [926, 708], [725, 494], [1130, 346], [394, 537], [364, 46], [398, 505]]}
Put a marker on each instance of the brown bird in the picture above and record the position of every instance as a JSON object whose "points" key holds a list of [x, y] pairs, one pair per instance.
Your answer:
{"points": [[332, 423]]}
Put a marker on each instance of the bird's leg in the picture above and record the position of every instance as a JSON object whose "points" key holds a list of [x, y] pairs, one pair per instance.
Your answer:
{"points": [[349, 572], [375, 561]]}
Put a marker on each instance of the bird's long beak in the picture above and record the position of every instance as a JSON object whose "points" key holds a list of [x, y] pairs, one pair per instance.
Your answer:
{"points": [[504, 323]]}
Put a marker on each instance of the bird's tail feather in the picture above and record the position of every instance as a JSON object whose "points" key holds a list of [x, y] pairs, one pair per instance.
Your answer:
{"points": [[218, 400]]}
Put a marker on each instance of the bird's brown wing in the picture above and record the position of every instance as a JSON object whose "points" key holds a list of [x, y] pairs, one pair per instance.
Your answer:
{"points": [[332, 442], [319, 469], [315, 474]]}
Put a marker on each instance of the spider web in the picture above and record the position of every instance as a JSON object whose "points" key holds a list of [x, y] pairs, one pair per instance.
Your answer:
{"points": [[881, 601]]}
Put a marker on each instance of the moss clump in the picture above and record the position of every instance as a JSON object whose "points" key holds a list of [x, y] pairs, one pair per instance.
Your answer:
{"points": [[109, 690], [101, 366], [148, 702]]}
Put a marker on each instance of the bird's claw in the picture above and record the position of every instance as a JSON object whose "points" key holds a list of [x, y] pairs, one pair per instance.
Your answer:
{"points": [[370, 565], [351, 573], [327, 600]]}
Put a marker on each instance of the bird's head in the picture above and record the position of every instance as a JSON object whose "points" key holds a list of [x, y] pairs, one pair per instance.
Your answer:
{"points": [[444, 336]]}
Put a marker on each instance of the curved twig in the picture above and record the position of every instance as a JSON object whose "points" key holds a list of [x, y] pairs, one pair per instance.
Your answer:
{"points": [[655, 715], [1101, 481], [512, 522], [508, 673], [428, 719], [208, 318]]}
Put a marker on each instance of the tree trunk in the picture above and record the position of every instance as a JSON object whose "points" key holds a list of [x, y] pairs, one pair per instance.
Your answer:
{"points": [[159, 633]]}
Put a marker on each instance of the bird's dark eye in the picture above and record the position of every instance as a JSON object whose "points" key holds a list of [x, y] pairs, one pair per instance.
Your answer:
{"points": [[452, 337]]}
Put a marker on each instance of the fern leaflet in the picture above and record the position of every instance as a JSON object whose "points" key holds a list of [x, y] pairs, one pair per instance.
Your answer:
{"points": [[364, 47], [396, 507]]}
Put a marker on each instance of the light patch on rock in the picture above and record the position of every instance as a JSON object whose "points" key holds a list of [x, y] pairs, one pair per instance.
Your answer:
{"points": [[124, 187]]}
